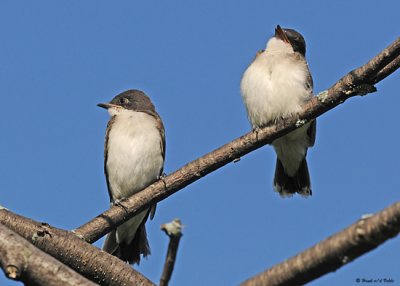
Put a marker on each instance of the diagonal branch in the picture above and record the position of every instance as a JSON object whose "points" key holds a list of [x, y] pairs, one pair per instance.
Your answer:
{"points": [[334, 252], [88, 260], [22, 261], [358, 82]]}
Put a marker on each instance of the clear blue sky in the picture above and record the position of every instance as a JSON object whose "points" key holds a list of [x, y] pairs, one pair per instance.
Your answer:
{"points": [[58, 59]]}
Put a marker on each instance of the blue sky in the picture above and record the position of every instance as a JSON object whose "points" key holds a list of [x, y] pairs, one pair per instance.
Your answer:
{"points": [[58, 60]]}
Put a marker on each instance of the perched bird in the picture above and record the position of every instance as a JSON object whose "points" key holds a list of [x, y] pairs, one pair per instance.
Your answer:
{"points": [[134, 155], [276, 85]]}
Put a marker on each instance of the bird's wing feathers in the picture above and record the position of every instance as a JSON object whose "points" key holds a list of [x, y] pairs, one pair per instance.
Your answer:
{"points": [[160, 127], [309, 82], [110, 123], [311, 133], [312, 130]]}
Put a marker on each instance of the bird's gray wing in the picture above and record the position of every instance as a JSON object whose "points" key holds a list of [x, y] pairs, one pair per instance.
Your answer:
{"points": [[160, 127], [106, 142], [312, 129]]}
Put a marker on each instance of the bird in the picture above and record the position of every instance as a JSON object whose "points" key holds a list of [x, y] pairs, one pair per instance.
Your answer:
{"points": [[275, 86], [134, 153]]}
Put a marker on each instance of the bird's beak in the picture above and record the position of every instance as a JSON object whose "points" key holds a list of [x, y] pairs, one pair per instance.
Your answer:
{"points": [[107, 105], [280, 34]]}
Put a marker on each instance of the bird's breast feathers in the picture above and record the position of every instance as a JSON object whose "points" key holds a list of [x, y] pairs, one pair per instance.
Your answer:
{"points": [[275, 85], [135, 157]]}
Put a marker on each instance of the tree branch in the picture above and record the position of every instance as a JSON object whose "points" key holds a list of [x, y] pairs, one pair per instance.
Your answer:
{"points": [[334, 252], [88, 260], [357, 82], [22, 261], [174, 231], [387, 70]]}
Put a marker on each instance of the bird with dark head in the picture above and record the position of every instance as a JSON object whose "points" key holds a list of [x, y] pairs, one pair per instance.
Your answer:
{"points": [[134, 155], [294, 38], [274, 86]]}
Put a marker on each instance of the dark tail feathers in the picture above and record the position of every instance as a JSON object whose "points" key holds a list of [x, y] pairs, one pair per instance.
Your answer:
{"points": [[287, 186], [129, 252]]}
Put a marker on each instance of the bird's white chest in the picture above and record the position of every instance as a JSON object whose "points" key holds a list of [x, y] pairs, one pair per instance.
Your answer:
{"points": [[274, 85], [134, 153]]}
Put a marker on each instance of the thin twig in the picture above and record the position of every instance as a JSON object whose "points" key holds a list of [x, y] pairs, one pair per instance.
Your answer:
{"points": [[174, 231], [334, 252]]}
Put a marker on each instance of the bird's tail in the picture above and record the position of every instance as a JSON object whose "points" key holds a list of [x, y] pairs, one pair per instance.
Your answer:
{"points": [[131, 251], [286, 185]]}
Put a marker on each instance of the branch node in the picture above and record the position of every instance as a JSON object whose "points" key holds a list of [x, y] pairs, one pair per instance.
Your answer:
{"points": [[173, 228], [12, 272], [40, 233], [365, 216], [322, 96], [360, 231], [300, 122], [363, 89], [77, 234], [345, 260]]}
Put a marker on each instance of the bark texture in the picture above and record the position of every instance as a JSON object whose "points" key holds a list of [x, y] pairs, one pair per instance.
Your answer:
{"points": [[93, 263], [22, 261]]}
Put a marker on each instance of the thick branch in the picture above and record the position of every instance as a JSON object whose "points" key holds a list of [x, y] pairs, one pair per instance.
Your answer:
{"points": [[88, 260], [334, 252], [357, 82], [22, 261], [174, 231]]}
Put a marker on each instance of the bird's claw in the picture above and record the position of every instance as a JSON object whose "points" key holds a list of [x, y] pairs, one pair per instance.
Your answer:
{"points": [[162, 178], [256, 129], [118, 203]]}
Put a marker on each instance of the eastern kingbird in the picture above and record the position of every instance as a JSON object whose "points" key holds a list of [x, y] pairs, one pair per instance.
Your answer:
{"points": [[134, 155], [276, 85]]}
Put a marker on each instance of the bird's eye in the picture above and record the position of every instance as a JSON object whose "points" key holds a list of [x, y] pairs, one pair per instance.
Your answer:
{"points": [[123, 100]]}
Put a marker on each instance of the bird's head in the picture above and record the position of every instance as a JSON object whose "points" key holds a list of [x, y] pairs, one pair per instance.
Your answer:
{"points": [[291, 37], [132, 99]]}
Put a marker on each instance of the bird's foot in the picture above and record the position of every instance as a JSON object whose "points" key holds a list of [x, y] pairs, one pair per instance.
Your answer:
{"points": [[119, 203], [256, 130], [281, 120], [162, 178]]}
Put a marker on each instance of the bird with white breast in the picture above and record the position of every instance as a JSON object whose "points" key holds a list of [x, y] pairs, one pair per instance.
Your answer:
{"points": [[275, 86], [134, 155]]}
